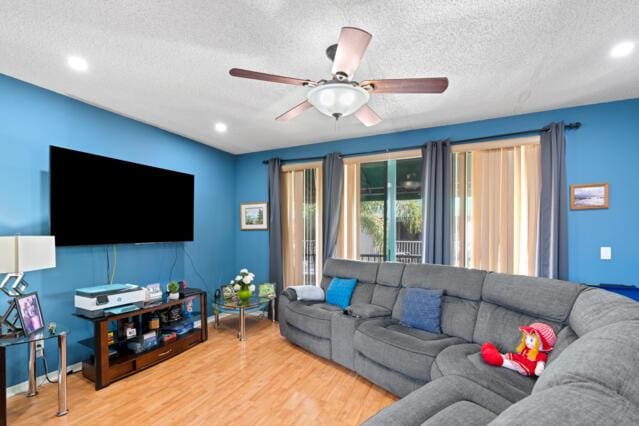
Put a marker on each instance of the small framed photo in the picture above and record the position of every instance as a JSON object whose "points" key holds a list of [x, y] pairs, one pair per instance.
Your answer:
{"points": [[30, 313], [589, 196], [254, 216]]}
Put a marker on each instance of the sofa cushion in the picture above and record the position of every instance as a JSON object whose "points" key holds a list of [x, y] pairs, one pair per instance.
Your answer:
{"points": [[466, 361], [500, 326], [390, 274], [458, 282], [595, 308], [462, 413], [586, 403], [367, 310], [364, 272], [607, 356], [340, 291], [389, 278], [421, 309], [312, 318], [385, 296], [407, 350], [462, 292], [565, 338], [427, 401], [538, 297]]}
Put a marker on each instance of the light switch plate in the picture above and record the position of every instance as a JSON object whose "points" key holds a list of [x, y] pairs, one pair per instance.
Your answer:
{"points": [[605, 253]]}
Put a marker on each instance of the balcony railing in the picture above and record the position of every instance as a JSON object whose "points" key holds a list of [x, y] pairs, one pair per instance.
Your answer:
{"points": [[405, 252]]}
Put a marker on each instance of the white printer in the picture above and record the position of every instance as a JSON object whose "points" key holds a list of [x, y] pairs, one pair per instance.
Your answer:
{"points": [[92, 302]]}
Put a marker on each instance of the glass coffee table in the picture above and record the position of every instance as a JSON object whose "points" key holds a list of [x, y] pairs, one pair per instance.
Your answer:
{"points": [[236, 306]]}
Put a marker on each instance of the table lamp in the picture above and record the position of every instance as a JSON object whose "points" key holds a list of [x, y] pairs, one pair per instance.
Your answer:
{"points": [[20, 254]]}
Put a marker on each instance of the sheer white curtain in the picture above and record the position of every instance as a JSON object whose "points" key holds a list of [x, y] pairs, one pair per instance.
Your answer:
{"points": [[301, 206], [349, 229], [500, 208]]}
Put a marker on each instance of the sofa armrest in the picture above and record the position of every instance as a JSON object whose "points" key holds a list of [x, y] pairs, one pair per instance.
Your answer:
{"points": [[290, 294], [367, 310]]}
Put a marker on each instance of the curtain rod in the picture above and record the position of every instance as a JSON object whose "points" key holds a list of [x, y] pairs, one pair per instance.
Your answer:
{"points": [[575, 125]]}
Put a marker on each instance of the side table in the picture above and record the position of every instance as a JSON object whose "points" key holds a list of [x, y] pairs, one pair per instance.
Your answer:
{"points": [[61, 335]]}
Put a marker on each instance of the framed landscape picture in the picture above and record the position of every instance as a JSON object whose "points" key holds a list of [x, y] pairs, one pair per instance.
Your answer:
{"points": [[589, 196], [254, 216]]}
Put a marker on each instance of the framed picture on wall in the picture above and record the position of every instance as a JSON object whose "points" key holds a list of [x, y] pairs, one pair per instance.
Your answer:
{"points": [[589, 196], [254, 216]]}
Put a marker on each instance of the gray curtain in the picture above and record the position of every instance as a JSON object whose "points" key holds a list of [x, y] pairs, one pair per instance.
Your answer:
{"points": [[333, 169], [436, 199], [275, 261], [552, 261]]}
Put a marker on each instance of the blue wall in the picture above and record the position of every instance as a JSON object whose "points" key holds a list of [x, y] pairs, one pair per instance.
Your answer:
{"points": [[605, 149], [31, 119]]}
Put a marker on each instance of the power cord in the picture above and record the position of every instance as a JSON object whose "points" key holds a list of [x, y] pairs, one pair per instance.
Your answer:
{"points": [[115, 264], [106, 249], [174, 262], [194, 267], [46, 368]]}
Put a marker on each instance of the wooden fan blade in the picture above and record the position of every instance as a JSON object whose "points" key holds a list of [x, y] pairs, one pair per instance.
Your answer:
{"points": [[295, 111], [238, 72], [407, 85], [367, 116], [350, 48]]}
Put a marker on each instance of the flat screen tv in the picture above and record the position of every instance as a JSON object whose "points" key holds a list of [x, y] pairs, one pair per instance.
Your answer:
{"points": [[100, 200]]}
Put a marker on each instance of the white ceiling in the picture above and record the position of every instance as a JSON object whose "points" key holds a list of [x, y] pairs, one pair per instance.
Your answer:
{"points": [[166, 63]]}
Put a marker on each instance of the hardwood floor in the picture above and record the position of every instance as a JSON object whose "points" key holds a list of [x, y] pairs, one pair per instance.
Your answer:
{"points": [[263, 381]]}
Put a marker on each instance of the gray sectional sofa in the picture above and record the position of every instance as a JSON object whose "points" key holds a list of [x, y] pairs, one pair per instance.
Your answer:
{"points": [[592, 375]]}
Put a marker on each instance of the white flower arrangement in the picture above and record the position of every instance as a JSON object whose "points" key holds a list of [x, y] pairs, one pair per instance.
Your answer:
{"points": [[244, 280]]}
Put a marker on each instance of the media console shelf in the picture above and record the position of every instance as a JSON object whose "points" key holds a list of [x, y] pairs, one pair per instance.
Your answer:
{"points": [[104, 370]]}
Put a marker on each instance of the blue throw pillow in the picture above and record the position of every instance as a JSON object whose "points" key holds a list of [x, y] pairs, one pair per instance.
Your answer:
{"points": [[422, 309], [340, 291]]}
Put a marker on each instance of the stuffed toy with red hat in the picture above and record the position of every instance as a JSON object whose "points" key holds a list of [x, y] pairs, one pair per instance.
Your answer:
{"points": [[537, 340]]}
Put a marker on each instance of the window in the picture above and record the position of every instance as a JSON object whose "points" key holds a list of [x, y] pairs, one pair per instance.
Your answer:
{"points": [[382, 208], [496, 192], [301, 197]]}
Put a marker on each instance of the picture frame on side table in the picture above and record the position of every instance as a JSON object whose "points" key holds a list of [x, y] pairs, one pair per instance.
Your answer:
{"points": [[589, 196], [30, 313], [254, 216]]}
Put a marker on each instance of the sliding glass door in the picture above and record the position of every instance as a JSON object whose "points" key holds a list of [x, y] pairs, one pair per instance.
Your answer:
{"points": [[382, 210]]}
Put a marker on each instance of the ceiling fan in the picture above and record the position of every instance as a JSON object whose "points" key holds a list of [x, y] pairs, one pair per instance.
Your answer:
{"points": [[341, 95]]}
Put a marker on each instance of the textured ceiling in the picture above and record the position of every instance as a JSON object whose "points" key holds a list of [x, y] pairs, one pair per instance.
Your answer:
{"points": [[166, 63]]}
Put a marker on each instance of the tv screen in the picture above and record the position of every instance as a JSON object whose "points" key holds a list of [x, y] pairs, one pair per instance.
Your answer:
{"points": [[100, 200]]}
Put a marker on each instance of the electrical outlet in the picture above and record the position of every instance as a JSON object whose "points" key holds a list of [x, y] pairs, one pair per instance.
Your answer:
{"points": [[605, 253], [39, 349]]}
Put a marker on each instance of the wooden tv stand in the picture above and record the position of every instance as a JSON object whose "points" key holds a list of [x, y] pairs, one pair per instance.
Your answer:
{"points": [[104, 370]]}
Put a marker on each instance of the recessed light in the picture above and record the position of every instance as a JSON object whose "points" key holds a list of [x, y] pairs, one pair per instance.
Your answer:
{"points": [[622, 49], [220, 127], [77, 63]]}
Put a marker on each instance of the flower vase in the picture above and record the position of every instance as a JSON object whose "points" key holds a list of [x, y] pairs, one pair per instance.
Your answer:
{"points": [[244, 293]]}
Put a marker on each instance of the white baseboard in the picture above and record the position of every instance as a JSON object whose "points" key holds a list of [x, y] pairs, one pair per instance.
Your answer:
{"points": [[77, 367], [24, 386]]}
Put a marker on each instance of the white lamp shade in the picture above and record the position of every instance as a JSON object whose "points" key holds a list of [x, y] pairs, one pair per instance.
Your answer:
{"points": [[337, 99], [20, 254]]}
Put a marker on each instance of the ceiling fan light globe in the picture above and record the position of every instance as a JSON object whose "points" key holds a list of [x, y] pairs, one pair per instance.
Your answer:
{"points": [[338, 98], [347, 99], [327, 98]]}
